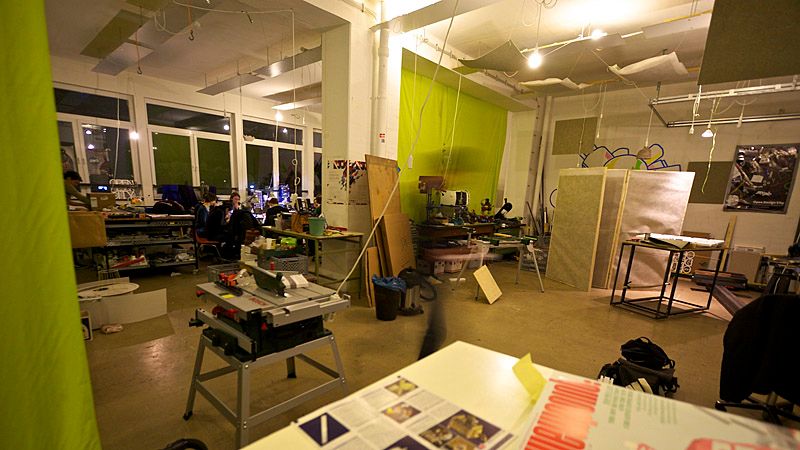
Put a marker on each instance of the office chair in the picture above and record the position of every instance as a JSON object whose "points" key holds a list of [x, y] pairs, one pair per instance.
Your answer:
{"points": [[760, 357]]}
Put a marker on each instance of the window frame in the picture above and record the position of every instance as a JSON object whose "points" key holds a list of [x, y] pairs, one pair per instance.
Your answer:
{"points": [[276, 146], [194, 159]]}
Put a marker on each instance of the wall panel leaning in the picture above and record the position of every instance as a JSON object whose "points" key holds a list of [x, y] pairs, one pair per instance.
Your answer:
{"points": [[576, 222]]}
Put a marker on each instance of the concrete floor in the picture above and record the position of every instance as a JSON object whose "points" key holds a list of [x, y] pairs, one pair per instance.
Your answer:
{"points": [[141, 375]]}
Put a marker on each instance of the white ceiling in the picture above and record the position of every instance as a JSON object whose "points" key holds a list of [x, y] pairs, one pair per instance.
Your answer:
{"points": [[223, 43], [479, 31]]}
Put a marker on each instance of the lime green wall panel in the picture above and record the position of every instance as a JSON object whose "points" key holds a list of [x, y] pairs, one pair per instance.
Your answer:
{"points": [[45, 390], [480, 133]]}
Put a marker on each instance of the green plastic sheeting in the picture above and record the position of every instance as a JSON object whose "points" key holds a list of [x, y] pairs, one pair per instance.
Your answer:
{"points": [[480, 134], [45, 391]]}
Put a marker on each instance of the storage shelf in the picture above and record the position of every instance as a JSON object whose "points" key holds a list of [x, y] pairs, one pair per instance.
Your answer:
{"points": [[117, 226], [171, 264], [150, 242]]}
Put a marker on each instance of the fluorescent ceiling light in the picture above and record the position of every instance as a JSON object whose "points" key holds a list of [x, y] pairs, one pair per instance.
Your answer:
{"points": [[597, 34], [298, 104], [708, 133]]}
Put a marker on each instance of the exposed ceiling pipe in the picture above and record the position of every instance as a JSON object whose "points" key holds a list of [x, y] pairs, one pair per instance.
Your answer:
{"points": [[379, 102]]}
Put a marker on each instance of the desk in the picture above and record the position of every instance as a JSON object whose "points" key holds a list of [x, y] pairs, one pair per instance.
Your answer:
{"points": [[657, 313], [481, 381], [344, 236]]}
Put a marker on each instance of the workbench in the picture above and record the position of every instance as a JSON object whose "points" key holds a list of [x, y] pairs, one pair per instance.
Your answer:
{"points": [[673, 270], [347, 238]]}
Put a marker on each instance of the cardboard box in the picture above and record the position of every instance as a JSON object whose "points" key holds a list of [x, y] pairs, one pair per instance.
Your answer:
{"points": [[87, 229], [102, 200]]}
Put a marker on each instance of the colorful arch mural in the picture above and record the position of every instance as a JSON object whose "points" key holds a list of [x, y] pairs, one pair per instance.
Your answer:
{"points": [[624, 158]]}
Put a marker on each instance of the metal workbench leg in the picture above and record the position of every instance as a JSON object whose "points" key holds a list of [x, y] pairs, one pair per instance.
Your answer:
{"points": [[243, 406], [627, 273], [519, 263], [339, 366], [291, 372], [664, 284], [714, 281], [538, 274], [198, 365], [616, 274], [674, 283]]}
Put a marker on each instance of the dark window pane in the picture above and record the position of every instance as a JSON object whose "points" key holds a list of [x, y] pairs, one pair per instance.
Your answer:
{"points": [[67, 143], [317, 174], [317, 139], [168, 116], [290, 135], [92, 105], [215, 164], [259, 130], [286, 169], [108, 153], [259, 167], [172, 158]]}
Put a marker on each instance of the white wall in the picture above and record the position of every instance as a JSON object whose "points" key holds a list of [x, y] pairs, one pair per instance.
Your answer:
{"points": [[70, 73], [624, 124]]}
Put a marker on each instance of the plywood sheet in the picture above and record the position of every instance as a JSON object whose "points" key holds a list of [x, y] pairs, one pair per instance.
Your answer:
{"points": [[373, 268], [613, 199], [575, 226], [718, 176], [396, 234], [574, 136], [486, 281], [655, 202], [381, 177]]}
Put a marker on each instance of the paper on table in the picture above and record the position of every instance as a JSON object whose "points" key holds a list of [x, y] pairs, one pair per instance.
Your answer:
{"points": [[529, 376]]}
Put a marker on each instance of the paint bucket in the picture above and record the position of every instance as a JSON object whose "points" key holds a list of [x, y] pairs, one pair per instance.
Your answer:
{"points": [[316, 226]]}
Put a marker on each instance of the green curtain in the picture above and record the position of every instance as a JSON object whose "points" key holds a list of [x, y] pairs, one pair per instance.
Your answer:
{"points": [[478, 140], [45, 390]]}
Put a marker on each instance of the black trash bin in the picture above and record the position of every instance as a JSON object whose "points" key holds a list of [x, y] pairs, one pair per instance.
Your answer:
{"points": [[387, 302]]}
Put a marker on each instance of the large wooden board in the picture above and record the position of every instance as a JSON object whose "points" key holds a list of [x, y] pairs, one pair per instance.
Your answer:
{"points": [[396, 234], [575, 226], [381, 176], [372, 268], [487, 283], [655, 202], [613, 199]]}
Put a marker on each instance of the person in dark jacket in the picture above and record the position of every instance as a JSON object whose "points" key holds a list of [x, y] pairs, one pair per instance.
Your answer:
{"points": [[201, 214]]}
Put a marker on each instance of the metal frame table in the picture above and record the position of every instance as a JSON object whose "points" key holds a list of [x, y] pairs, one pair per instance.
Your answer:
{"points": [[657, 313], [346, 237]]}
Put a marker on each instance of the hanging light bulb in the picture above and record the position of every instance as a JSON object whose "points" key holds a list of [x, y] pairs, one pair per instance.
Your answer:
{"points": [[226, 127], [597, 34], [708, 133], [90, 146], [535, 59], [88, 131], [133, 135], [279, 116]]}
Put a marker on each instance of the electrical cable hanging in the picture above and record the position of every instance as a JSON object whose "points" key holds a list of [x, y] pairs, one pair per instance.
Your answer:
{"points": [[452, 133], [410, 153], [714, 106]]}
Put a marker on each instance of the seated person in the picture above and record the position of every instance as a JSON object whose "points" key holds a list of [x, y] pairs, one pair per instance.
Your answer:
{"points": [[71, 182], [273, 211], [201, 214], [241, 220]]}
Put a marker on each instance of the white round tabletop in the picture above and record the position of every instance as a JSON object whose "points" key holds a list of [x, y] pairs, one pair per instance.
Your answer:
{"points": [[109, 290]]}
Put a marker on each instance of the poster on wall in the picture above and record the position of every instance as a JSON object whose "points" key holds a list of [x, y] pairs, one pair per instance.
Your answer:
{"points": [[762, 177], [347, 182]]}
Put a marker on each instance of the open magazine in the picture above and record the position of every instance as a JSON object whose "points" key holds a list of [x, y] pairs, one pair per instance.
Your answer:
{"points": [[400, 415], [574, 413]]}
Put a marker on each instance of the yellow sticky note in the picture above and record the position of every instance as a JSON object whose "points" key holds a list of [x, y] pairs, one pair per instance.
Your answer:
{"points": [[529, 377], [226, 295]]}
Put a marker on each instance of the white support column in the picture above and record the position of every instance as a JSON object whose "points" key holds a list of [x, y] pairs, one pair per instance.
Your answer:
{"points": [[346, 108]]}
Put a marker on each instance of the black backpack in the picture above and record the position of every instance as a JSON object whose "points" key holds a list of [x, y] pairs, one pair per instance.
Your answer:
{"points": [[642, 358]]}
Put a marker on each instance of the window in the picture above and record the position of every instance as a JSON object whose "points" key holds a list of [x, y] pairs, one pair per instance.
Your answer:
{"points": [[215, 164], [108, 153], [172, 157], [270, 132], [317, 139], [286, 169], [167, 116], [91, 105], [317, 174], [259, 167], [69, 158]]}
